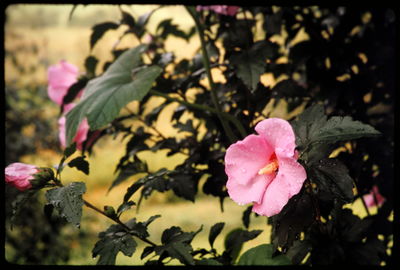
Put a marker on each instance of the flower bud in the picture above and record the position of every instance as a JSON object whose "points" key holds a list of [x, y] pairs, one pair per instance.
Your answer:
{"points": [[20, 175], [43, 176]]}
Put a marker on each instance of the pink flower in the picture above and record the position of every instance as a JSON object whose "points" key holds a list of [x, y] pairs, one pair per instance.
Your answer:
{"points": [[61, 77], [263, 168], [81, 134], [370, 200], [19, 175], [220, 9]]}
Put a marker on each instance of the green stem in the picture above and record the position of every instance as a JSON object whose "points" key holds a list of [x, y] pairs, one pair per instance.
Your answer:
{"points": [[206, 63]]}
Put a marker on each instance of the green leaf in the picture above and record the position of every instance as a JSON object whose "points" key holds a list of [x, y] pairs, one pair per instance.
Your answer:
{"points": [[166, 28], [315, 133], [235, 239], [339, 128], [80, 163], [112, 241], [333, 176], [99, 30], [181, 252], [74, 90], [215, 231], [146, 251], [90, 65], [207, 262], [124, 207], [70, 150], [68, 201], [129, 170], [176, 244], [296, 216], [246, 216], [106, 95], [262, 255], [250, 63]]}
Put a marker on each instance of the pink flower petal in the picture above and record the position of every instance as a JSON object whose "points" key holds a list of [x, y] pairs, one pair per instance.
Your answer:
{"points": [[60, 78], [253, 191], [245, 158], [275, 198], [292, 173], [369, 199], [278, 133], [232, 10], [81, 134], [19, 175]]}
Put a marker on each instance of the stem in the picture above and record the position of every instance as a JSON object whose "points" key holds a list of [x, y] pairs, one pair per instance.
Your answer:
{"points": [[117, 220], [206, 63]]}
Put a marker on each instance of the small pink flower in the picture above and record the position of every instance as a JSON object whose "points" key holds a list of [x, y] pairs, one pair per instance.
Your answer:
{"points": [[60, 78], [19, 175], [81, 134], [220, 9], [370, 200], [263, 168]]}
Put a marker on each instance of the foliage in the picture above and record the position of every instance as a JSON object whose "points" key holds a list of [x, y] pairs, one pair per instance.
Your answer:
{"points": [[314, 227]]}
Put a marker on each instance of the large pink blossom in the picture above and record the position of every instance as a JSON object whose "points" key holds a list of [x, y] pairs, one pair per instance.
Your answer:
{"points": [[81, 134], [373, 198], [60, 78], [263, 169], [220, 9], [19, 175]]}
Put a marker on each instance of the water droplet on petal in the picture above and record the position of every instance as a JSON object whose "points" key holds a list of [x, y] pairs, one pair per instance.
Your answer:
{"points": [[243, 170]]}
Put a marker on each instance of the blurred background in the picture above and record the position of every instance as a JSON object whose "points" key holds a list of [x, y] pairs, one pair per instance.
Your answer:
{"points": [[37, 36]]}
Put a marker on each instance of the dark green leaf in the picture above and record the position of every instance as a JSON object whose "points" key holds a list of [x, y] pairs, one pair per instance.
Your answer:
{"points": [[146, 251], [207, 262], [214, 232], [112, 241], [70, 150], [315, 133], [104, 96], [166, 28], [298, 251], [183, 185], [80, 163], [262, 255], [331, 175], [127, 19], [74, 90], [235, 239], [296, 216], [246, 216], [129, 170], [250, 64], [154, 181], [68, 201], [181, 252], [124, 207], [339, 128], [99, 30], [91, 64]]}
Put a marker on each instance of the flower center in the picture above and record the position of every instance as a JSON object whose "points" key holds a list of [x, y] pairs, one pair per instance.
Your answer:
{"points": [[271, 167]]}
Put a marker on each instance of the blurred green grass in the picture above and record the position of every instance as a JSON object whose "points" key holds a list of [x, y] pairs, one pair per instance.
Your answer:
{"points": [[47, 28]]}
